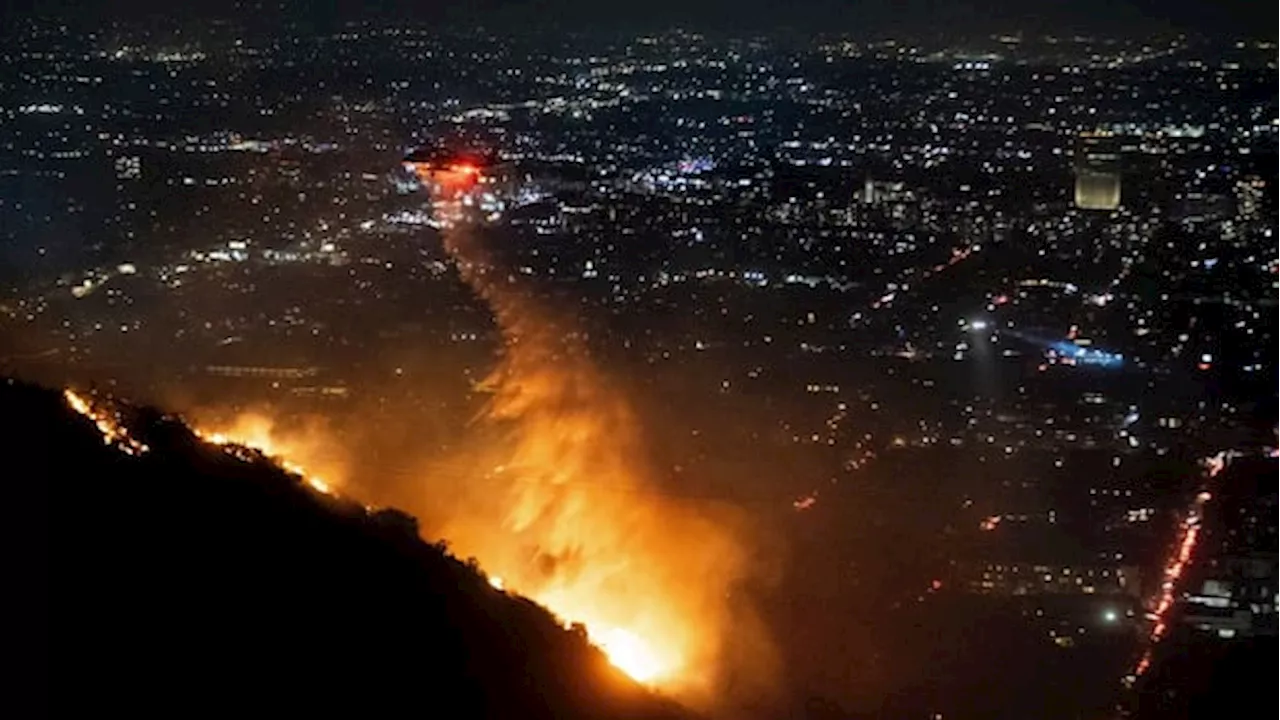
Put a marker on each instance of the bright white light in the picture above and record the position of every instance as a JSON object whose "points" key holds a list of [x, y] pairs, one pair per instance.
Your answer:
{"points": [[978, 324], [630, 654], [1110, 616]]}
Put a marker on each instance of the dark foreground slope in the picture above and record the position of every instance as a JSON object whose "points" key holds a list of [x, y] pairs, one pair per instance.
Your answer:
{"points": [[188, 583]]}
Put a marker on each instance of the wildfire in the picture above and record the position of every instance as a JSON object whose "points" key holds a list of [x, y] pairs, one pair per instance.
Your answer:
{"points": [[560, 541], [625, 649], [555, 502], [113, 432], [257, 432], [631, 654], [576, 523]]}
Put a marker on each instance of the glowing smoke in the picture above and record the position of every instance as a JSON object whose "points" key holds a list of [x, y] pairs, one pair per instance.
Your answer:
{"points": [[573, 520], [304, 447], [553, 497]]}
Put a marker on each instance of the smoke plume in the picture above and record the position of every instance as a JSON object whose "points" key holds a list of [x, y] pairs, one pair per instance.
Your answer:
{"points": [[567, 512], [552, 494]]}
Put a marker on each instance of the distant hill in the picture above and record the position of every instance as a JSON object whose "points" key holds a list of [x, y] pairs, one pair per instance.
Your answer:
{"points": [[187, 583]]}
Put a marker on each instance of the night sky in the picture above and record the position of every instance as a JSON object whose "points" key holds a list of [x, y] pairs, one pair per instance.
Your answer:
{"points": [[919, 17]]}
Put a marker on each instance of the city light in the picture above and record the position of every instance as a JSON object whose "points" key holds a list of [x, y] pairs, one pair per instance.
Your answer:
{"points": [[1175, 566], [711, 344]]}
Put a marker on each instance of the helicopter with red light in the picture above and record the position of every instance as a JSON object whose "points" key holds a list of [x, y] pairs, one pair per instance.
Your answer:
{"points": [[449, 172]]}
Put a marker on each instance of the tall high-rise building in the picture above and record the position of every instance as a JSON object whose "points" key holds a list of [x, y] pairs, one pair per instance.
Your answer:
{"points": [[1097, 169]]}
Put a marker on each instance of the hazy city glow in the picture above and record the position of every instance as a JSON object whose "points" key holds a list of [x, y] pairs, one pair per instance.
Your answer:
{"points": [[803, 371], [578, 527]]}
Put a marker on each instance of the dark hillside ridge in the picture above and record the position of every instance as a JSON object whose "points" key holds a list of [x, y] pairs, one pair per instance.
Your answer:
{"points": [[188, 583]]}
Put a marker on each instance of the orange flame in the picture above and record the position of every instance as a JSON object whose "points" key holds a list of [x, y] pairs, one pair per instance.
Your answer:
{"points": [[562, 511], [113, 432], [643, 605], [559, 506], [580, 526], [257, 431]]}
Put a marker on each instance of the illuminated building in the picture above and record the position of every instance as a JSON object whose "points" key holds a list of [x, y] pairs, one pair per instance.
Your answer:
{"points": [[1200, 207], [128, 167], [875, 192], [1097, 190], [1007, 579], [1249, 196], [267, 373], [321, 391], [1097, 173], [1241, 605]]}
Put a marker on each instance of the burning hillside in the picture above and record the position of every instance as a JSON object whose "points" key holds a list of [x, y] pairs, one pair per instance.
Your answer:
{"points": [[552, 495], [230, 580], [578, 524]]}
